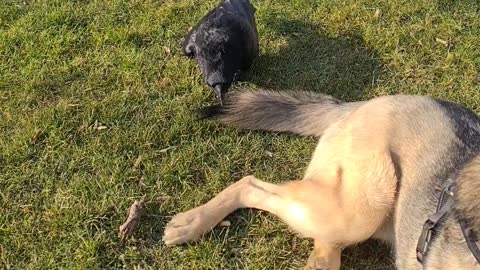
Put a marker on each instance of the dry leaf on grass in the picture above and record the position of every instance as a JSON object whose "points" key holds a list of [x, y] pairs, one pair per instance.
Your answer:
{"points": [[443, 42], [164, 150], [36, 136], [98, 126], [138, 162], [134, 213]]}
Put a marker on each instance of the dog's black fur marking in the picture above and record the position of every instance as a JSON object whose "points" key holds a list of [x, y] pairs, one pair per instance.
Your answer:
{"points": [[466, 126]]}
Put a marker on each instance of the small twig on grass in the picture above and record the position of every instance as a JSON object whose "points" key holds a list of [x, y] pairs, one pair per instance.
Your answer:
{"points": [[134, 213], [443, 42]]}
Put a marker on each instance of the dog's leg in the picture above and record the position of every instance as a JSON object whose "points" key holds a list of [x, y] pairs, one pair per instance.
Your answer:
{"points": [[312, 208], [324, 257], [248, 192], [279, 200]]}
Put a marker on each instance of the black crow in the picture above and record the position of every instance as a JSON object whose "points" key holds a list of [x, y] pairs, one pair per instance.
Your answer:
{"points": [[223, 43]]}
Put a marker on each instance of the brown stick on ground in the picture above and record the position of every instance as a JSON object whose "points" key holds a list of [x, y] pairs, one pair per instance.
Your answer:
{"points": [[134, 213]]}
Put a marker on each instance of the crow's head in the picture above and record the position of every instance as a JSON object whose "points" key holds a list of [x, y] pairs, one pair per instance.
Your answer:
{"points": [[218, 53]]}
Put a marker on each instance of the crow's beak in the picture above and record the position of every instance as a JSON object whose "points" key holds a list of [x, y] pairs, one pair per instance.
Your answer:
{"points": [[218, 89]]}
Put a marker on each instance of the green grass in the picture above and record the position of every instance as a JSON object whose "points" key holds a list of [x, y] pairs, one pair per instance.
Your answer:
{"points": [[65, 65]]}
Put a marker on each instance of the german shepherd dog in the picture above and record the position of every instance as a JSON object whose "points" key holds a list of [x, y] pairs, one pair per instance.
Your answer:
{"points": [[378, 171]]}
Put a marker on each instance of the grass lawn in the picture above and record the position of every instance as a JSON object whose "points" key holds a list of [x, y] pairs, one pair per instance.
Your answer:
{"points": [[89, 86]]}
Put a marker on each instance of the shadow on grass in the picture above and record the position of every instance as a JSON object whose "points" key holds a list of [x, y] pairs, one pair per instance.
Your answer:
{"points": [[452, 6], [312, 60], [370, 255]]}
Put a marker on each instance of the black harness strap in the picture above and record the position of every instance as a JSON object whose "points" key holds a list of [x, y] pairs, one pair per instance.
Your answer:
{"points": [[431, 226], [473, 245]]}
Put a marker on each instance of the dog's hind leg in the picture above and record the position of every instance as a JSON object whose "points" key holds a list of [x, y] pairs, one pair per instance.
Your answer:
{"points": [[248, 192]]}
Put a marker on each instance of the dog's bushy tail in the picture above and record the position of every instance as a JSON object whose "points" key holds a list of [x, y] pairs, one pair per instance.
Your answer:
{"points": [[303, 113]]}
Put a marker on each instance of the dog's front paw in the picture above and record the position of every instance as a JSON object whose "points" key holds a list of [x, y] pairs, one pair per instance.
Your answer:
{"points": [[319, 261], [186, 226]]}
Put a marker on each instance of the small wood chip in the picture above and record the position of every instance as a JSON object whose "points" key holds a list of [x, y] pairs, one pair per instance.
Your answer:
{"points": [[377, 13], [443, 42], [141, 181], [36, 136], [268, 153], [134, 213], [167, 49], [296, 34], [164, 150], [225, 223], [98, 126], [190, 29], [138, 162]]}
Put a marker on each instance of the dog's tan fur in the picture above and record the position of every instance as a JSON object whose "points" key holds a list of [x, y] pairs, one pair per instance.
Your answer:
{"points": [[349, 191]]}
